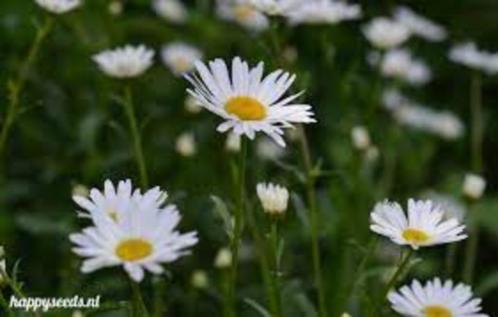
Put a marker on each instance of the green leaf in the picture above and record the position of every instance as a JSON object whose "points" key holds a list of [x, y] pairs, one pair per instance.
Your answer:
{"points": [[257, 307], [221, 210]]}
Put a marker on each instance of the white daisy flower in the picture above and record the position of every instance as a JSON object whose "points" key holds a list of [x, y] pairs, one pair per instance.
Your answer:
{"points": [[173, 11], [248, 102], [323, 12], [277, 7], [243, 13], [474, 186], [452, 207], [436, 299], [400, 64], [419, 25], [469, 55], [143, 237], [424, 226], [186, 144], [58, 6], [385, 33], [125, 62], [273, 198], [180, 57]]}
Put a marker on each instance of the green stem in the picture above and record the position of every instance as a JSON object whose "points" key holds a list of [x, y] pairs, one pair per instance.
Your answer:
{"points": [[394, 278], [451, 253], [135, 134], [275, 277], [238, 219], [5, 304], [314, 221], [139, 308], [372, 246], [16, 86], [477, 167]]}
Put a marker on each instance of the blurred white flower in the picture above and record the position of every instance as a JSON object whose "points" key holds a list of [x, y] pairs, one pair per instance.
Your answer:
{"points": [[474, 186], [419, 25], [277, 7], [248, 102], [424, 226], [384, 33], [173, 11], [125, 62], [268, 150], [3, 266], [273, 198], [372, 153], [469, 55], [243, 13], [223, 259], [399, 63], [436, 299], [192, 105], [441, 123], [232, 143], [58, 6], [142, 238], [360, 138], [199, 279], [77, 313], [451, 206], [345, 315], [186, 144], [115, 7], [323, 12], [180, 57]]}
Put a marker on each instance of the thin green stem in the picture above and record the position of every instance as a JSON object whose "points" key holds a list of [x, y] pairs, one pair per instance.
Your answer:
{"points": [[238, 225], [477, 136], [275, 277], [139, 308], [5, 304], [135, 134], [372, 246], [394, 278], [313, 219], [451, 253], [16, 86]]}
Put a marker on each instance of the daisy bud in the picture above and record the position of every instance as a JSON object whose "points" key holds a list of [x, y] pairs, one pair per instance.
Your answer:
{"points": [[360, 138], [77, 313], [115, 8], [273, 198], [474, 186], [223, 259], [58, 6], [186, 145], [80, 190], [232, 143], [345, 315], [372, 153], [199, 279], [125, 62], [192, 106]]}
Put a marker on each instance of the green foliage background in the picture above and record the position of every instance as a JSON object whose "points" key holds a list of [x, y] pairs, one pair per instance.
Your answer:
{"points": [[72, 131]]}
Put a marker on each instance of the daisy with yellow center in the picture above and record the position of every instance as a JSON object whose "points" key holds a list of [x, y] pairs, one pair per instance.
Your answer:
{"points": [[242, 13], [141, 236], [426, 224], [247, 101], [436, 299]]}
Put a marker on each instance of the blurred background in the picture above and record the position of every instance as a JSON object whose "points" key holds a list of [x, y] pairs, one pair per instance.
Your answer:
{"points": [[72, 133]]}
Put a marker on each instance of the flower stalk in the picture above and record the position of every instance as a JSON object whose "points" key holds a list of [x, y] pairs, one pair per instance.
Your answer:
{"points": [[275, 276], [399, 270], [139, 308]]}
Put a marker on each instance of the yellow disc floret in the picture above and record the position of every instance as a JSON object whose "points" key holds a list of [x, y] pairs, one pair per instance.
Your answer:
{"points": [[133, 250], [246, 108]]}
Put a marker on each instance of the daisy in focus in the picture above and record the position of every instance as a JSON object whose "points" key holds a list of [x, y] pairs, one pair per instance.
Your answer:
{"points": [[143, 238], [323, 12], [247, 101], [420, 25], [58, 6], [436, 299], [125, 62], [243, 13], [385, 33], [425, 225], [180, 57]]}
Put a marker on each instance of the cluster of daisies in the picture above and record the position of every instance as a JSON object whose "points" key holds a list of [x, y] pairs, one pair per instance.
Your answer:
{"points": [[138, 230]]}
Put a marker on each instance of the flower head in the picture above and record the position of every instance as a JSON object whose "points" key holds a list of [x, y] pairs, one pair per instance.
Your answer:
{"points": [[436, 299], [420, 25], [400, 64], [246, 101], [180, 57], [243, 13], [223, 259], [273, 198], [474, 186], [323, 12], [125, 62], [385, 33], [186, 144], [469, 55], [173, 11], [277, 7], [360, 138], [139, 233], [58, 6], [424, 226]]}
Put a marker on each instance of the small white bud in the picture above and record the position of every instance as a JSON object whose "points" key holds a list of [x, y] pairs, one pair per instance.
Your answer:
{"points": [[186, 145], [223, 259], [372, 154], [232, 143], [80, 190], [115, 7], [474, 186], [199, 279], [273, 198], [360, 138]]}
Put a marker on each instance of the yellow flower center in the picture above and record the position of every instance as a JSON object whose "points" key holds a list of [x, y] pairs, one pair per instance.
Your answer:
{"points": [[415, 236], [133, 250], [437, 311], [243, 12], [246, 108]]}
